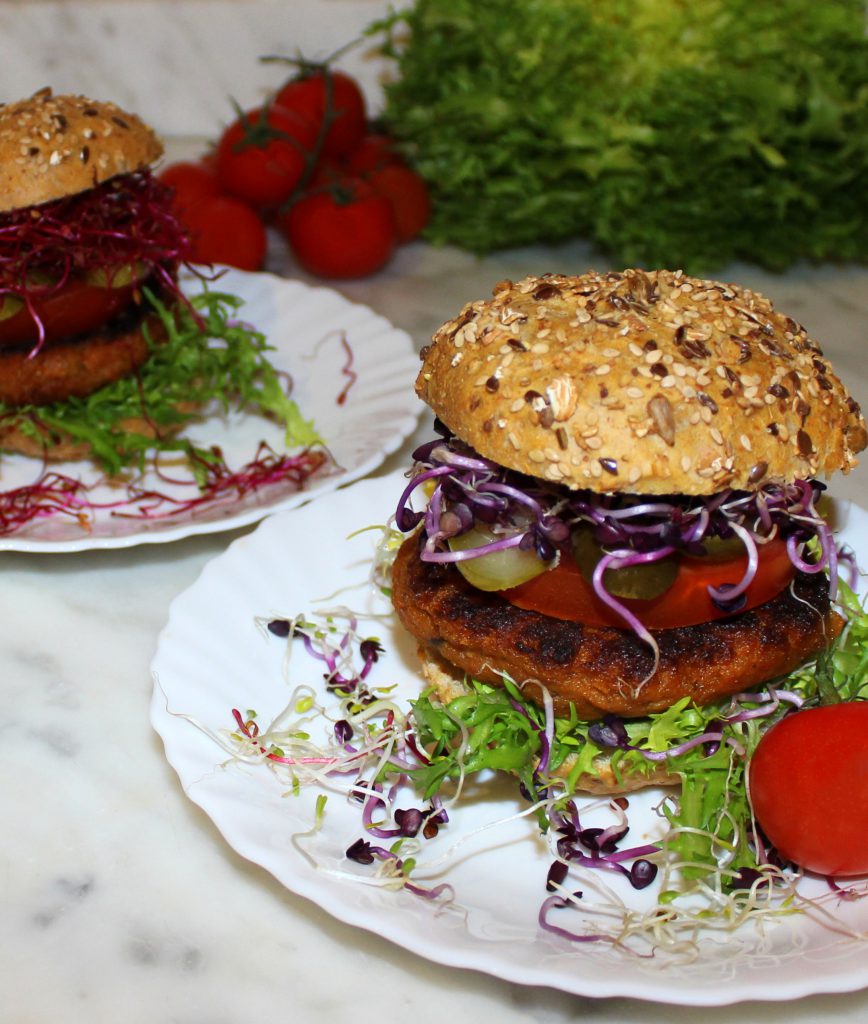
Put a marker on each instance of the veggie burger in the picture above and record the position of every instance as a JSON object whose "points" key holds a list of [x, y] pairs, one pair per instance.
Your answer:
{"points": [[87, 241], [623, 509]]}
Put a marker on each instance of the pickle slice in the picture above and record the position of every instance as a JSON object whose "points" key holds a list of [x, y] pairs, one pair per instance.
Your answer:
{"points": [[117, 277], [499, 570], [639, 582], [9, 306]]}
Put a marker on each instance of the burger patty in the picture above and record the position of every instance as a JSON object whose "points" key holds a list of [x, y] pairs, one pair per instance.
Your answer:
{"points": [[78, 366], [602, 670]]}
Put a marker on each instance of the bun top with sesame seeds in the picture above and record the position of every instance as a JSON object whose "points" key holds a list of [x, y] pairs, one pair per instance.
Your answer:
{"points": [[640, 382], [54, 146]]}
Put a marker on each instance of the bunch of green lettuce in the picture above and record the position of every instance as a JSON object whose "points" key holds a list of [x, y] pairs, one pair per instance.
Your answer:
{"points": [[668, 133]]}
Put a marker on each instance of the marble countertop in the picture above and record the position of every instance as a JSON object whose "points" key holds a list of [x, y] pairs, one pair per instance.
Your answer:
{"points": [[119, 898]]}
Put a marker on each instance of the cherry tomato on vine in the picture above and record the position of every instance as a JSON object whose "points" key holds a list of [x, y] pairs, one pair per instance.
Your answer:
{"points": [[225, 230], [563, 592], [191, 181], [373, 152], [263, 155], [345, 230], [333, 94], [408, 195], [808, 780]]}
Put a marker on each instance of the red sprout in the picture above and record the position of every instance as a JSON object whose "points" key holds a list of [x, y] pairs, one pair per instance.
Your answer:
{"points": [[55, 494], [347, 370], [51, 495]]}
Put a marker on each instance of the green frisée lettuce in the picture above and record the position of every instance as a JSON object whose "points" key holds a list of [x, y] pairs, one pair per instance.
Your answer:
{"points": [[707, 748], [668, 133], [209, 356]]}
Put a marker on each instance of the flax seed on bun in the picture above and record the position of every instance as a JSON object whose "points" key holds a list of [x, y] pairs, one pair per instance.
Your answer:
{"points": [[56, 146], [640, 382]]}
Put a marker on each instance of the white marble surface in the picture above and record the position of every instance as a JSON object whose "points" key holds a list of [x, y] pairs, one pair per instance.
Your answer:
{"points": [[118, 898], [178, 62]]}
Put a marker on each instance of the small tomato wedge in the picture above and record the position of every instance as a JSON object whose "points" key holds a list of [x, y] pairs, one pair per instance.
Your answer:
{"points": [[808, 783], [342, 231], [563, 592], [330, 94], [225, 230]]}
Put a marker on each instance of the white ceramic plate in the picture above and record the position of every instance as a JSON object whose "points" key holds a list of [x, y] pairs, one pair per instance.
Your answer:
{"points": [[212, 657], [304, 325]]}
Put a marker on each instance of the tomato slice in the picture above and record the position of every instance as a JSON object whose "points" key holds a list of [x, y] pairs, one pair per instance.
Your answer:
{"points": [[77, 307], [563, 593]]}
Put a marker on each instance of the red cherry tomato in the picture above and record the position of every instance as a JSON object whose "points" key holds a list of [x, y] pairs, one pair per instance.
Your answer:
{"points": [[408, 195], [76, 308], [225, 230], [191, 182], [808, 781], [373, 152], [563, 593], [333, 94], [343, 231], [262, 156]]}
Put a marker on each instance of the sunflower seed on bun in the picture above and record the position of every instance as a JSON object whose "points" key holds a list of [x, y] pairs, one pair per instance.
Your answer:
{"points": [[55, 146], [640, 382]]}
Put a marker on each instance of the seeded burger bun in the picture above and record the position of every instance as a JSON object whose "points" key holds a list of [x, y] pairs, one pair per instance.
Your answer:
{"points": [[640, 382], [55, 146]]}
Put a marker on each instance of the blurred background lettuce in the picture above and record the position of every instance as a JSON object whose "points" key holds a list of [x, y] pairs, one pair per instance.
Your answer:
{"points": [[681, 133]]}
